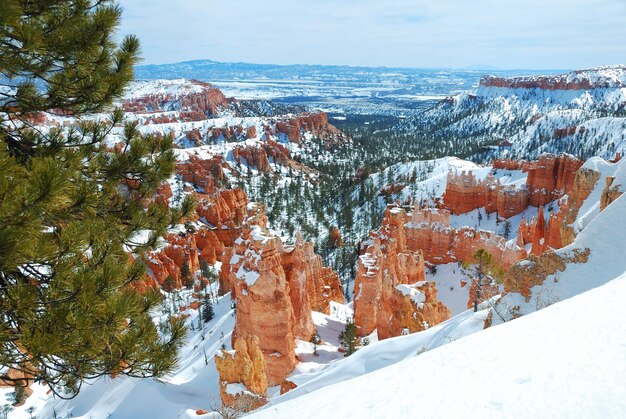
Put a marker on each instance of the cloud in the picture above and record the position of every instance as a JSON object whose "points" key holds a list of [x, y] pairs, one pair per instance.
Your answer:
{"points": [[416, 33]]}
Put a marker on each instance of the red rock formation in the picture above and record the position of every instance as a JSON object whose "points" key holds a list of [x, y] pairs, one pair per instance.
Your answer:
{"points": [[243, 382], [511, 201], [286, 386], [210, 246], [429, 230], [255, 157], [315, 123], [584, 182], [334, 238], [168, 261], [576, 80], [487, 291], [251, 132], [465, 193], [264, 306], [508, 164], [275, 288], [390, 295], [203, 173], [539, 240], [226, 210], [551, 177], [610, 192], [206, 101]]}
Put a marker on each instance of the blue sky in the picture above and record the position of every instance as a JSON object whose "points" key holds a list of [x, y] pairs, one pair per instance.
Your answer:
{"points": [[507, 34]]}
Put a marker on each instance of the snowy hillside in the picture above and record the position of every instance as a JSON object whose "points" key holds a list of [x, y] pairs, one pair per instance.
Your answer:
{"points": [[580, 112], [567, 360]]}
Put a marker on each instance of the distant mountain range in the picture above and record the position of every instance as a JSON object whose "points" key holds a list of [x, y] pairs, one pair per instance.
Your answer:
{"points": [[338, 88]]}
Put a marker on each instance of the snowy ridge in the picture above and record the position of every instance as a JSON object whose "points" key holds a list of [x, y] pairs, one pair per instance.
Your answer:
{"points": [[175, 88]]}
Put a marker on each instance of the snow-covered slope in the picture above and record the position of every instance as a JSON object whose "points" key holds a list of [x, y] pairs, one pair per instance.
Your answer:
{"points": [[567, 360], [581, 113]]}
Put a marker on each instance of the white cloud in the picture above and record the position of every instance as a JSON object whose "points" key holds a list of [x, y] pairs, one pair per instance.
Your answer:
{"points": [[416, 33]]}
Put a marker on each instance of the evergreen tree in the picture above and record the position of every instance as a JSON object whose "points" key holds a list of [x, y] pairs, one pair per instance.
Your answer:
{"points": [[185, 274], [506, 233], [70, 208], [207, 312], [348, 338], [485, 271], [315, 340]]}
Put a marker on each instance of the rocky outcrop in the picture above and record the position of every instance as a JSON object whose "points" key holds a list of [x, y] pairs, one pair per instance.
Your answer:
{"points": [[509, 164], [259, 156], [390, 293], [305, 271], [464, 192], [275, 287], [610, 192], [263, 299], [576, 80], [224, 211], [191, 98], [429, 231], [535, 269], [203, 173], [549, 178], [181, 249], [584, 182], [315, 123], [243, 382]]}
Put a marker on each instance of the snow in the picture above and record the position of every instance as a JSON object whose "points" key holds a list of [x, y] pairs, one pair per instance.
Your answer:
{"points": [[175, 88], [567, 360], [604, 237], [414, 294], [193, 384], [449, 279]]}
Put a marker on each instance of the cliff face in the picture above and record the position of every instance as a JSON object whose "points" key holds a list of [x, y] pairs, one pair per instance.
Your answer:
{"points": [[429, 231], [192, 98], [610, 192], [610, 77], [549, 178], [390, 293], [584, 182], [246, 367]]}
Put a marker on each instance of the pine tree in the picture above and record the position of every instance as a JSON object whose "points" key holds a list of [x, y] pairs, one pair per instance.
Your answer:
{"points": [[506, 233], [348, 338], [207, 312], [70, 208], [185, 274], [315, 340], [485, 271]]}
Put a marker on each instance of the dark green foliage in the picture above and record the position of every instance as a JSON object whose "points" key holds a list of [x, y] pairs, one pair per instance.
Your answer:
{"points": [[186, 276], [207, 309], [485, 271], [348, 338], [70, 209], [506, 232], [315, 340]]}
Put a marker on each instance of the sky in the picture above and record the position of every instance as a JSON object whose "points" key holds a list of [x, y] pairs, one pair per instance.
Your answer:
{"points": [[505, 34]]}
